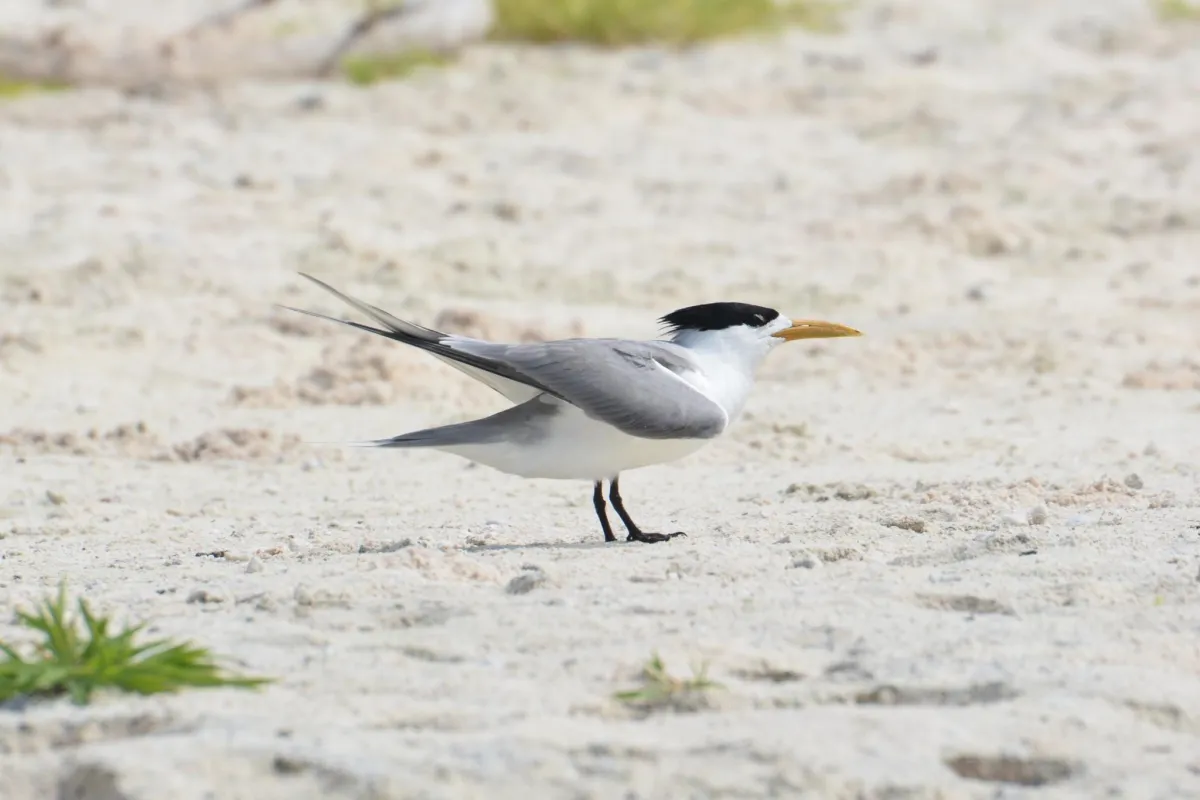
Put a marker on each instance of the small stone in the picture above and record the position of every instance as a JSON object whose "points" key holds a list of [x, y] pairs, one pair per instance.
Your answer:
{"points": [[914, 524], [55, 498], [806, 561], [389, 546], [830, 555], [255, 564], [1037, 515], [1134, 481], [286, 765], [854, 491], [205, 596], [310, 102], [526, 582], [509, 212], [924, 57], [1162, 500], [319, 598]]}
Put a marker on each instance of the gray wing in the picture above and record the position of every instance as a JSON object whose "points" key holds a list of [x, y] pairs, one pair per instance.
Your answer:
{"points": [[634, 386]]}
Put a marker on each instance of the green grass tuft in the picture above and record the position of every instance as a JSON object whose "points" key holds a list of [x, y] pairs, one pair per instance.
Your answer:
{"points": [[368, 70], [76, 662], [1178, 10], [11, 87], [661, 690], [613, 23]]}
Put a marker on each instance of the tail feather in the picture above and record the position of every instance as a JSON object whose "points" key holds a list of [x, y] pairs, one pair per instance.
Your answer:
{"points": [[352, 324], [506, 380], [521, 424], [474, 432], [392, 323]]}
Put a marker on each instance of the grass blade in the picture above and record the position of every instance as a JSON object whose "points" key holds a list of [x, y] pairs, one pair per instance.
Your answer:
{"points": [[77, 661]]}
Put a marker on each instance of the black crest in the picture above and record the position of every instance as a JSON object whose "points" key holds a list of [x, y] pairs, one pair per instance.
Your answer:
{"points": [[718, 316]]}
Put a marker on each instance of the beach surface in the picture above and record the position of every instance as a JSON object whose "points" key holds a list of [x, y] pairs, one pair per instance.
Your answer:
{"points": [[956, 558]]}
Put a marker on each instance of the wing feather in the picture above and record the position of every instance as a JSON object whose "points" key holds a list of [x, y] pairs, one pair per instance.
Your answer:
{"points": [[637, 387], [634, 386]]}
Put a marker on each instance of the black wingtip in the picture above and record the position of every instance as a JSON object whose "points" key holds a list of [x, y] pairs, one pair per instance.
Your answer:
{"points": [[317, 281], [351, 323]]}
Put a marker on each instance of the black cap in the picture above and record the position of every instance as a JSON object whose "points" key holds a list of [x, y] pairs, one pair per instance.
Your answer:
{"points": [[718, 316]]}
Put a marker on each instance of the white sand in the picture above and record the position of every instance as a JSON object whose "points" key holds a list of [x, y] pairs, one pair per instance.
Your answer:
{"points": [[1005, 197]]}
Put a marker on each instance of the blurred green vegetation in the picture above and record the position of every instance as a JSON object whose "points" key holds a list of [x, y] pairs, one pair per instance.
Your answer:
{"points": [[1178, 10], [616, 23], [605, 23], [613, 23], [366, 70], [11, 87]]}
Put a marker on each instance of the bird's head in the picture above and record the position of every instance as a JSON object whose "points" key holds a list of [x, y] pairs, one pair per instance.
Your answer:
{"points": [[743, 328]]}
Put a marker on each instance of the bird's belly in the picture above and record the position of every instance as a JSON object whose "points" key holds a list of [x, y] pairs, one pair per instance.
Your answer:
{"points": [[576, 447]]}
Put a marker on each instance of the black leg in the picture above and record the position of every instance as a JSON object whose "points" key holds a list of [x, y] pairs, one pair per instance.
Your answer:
{"points": [[598, 502], [636, 534]]}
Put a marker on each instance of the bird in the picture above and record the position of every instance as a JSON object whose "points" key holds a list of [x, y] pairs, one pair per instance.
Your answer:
{"points": [[591, 409]]}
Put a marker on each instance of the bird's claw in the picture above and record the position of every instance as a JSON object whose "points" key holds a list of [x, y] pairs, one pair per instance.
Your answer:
{"points": [[651, 538]]}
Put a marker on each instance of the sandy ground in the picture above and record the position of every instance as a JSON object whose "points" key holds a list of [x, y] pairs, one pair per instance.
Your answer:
{"points": [[955, 558]]}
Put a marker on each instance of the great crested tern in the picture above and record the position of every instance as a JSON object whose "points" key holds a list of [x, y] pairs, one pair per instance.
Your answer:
{"points": [[590, 409]]}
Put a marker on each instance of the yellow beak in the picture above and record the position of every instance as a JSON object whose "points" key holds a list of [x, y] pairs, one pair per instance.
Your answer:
{"points": [[814, 329]]}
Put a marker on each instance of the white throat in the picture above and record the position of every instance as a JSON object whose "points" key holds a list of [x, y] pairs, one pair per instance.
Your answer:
{"points": [[728, 360]]}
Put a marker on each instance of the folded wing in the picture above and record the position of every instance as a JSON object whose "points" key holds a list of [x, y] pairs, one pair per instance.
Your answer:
{"points": [[634, 386]]}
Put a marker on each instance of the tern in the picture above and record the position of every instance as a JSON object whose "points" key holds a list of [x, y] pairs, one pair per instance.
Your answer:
{"points": [[591, 409]]}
